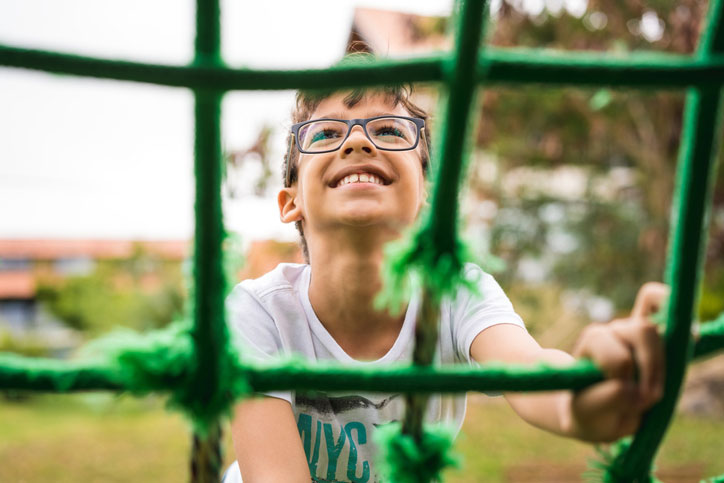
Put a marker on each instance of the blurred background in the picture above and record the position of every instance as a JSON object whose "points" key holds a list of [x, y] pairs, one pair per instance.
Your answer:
{"points": [[571, 188]]}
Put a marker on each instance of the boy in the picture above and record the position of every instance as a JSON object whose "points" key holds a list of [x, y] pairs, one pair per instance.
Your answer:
{"points": [[355, 180]]}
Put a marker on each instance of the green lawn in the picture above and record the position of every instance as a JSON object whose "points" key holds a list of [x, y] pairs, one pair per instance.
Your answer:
{"points": [[99, 438]]}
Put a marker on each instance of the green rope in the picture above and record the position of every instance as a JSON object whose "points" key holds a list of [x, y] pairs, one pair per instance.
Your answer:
{"points": [[110, 373], [206, 456], [423, 355], [496, 67], [116, 370], [711, 337], [606, 469], [695, 176], [435, 255], [405, 459], [212, 357]]}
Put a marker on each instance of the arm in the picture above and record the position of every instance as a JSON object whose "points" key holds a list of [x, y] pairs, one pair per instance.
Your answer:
{"points": [[512, 344], [266, 442], [605, 411]]}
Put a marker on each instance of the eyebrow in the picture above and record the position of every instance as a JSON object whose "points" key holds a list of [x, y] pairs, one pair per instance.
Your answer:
{"points": [[339, 115]]}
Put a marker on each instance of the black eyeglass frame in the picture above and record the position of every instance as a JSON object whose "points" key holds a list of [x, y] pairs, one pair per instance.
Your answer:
{"points": [[419, 123]]}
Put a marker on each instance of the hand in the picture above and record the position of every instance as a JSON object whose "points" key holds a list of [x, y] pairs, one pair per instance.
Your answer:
{"points": [[622, 349]]}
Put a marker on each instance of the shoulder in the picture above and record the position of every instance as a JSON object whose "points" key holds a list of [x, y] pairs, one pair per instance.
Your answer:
{"points": [[266, 295], [284, 280], [265, 312], [286, 276], [482, 293], [485, 285], [472, 310]]}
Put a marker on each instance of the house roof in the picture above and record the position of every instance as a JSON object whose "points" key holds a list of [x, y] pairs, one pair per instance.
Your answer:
{"points": [[17, 285], [44, 249], [395, 34]]}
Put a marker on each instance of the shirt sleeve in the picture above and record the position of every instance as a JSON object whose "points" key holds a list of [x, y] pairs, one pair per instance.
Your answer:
{"points": [[472, 312], [254, 331]]}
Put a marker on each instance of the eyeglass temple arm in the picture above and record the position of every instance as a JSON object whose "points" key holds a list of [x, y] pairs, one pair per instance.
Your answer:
{"points": [[288, 174], [427, 148]]}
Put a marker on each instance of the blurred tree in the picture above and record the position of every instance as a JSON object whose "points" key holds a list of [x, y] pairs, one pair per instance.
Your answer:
{"points": [[142, 292], [618, 231], [252, 161]]}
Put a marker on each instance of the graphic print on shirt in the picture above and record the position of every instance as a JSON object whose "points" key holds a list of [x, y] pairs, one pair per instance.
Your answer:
{"points": [[336, 433]]}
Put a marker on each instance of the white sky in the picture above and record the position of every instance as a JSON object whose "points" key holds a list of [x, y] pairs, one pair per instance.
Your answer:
{"points": [[92, 158]]}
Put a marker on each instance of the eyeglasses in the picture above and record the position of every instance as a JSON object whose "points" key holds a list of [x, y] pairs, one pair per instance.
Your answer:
{"points": [[388, 133]]}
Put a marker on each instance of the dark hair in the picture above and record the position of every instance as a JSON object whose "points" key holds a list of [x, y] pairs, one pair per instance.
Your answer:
{"points": [[308, 101]]}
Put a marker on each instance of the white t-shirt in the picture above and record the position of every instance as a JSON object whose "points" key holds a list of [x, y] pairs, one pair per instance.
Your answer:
{"points": [[272, 315]]}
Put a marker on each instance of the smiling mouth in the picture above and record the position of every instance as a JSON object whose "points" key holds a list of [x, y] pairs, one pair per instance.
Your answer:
{"points": [[360, 178]]}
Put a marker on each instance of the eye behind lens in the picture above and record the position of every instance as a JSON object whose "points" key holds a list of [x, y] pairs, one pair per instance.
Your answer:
{"points": [[393, 132], [322, 135]]}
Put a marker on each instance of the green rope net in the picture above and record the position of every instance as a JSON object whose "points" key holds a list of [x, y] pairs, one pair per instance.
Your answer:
{"points": [[194, 362]]}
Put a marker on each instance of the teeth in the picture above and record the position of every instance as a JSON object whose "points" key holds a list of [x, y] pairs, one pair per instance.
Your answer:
{"points": [[360, 178]]}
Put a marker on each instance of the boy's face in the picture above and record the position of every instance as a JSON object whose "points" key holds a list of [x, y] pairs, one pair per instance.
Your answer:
{"points": [[320, 201]]}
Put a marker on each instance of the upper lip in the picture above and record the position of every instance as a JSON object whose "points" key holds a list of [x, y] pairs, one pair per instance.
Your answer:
{"points": [[361, 168]]}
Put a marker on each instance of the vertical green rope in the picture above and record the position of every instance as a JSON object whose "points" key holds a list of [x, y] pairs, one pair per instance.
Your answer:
{"points": [[209, 332], [442, 220], [436, 249], [206, 456], [435, 252], [460, 76], [712, 38], [702, 132], [426, 333], [702, 121]]}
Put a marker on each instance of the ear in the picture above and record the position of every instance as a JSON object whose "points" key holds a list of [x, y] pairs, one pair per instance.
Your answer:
{"points": [[289, 210]]}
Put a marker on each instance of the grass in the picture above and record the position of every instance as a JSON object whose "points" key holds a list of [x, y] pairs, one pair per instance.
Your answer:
{"points": [[104, 438]]}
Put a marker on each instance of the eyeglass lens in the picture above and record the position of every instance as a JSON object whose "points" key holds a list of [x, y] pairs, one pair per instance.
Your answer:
{"points": [[385, 133]]}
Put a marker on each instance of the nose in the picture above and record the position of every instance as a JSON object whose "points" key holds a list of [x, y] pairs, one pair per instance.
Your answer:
{"points": [[357, 141]]}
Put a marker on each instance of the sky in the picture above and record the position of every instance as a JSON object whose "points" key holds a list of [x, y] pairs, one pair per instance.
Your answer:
{"points": [[86, 158]]}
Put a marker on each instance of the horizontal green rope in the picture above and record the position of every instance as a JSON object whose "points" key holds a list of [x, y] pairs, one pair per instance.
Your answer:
{"points": [[711, 337], [209, 77], [498, 66], [52, 375], [123, 360], [37, 374], [422, 379], [577, 69]]}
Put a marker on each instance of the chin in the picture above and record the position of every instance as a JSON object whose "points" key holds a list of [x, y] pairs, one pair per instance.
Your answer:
{"points": [[363, 219]]}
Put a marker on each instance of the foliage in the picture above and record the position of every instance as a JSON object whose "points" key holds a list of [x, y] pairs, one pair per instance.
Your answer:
{"points": [[252, 162], [26, 346], [142, 292], [617, 227]]}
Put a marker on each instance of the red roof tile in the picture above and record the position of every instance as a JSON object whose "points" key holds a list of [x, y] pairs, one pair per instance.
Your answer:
{"points": [[17, 285], [38, 249]]}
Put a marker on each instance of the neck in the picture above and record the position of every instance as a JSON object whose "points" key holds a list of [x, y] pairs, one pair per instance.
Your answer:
{"points": [[345, 281]]}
